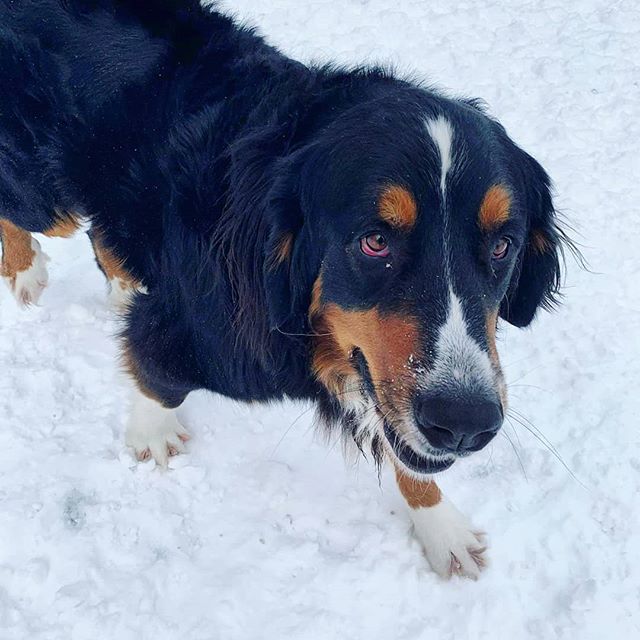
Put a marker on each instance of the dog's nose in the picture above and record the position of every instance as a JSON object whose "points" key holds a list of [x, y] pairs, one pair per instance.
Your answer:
{"points": [[457, 426]]}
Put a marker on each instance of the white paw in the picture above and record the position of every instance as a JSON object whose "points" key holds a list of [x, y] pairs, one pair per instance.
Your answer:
{"points": [[154, 431], [28, 285], [450, 544]]}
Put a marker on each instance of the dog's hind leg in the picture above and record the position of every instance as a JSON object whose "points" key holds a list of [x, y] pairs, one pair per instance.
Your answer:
{"points": [[23, 265], [449, 542]]}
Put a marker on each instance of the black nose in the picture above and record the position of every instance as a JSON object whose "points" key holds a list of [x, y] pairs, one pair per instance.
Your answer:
{"points": [[457, 426]]}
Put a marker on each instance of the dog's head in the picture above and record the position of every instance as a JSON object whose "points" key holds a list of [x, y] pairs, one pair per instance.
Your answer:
{"points": [[402, 234]]}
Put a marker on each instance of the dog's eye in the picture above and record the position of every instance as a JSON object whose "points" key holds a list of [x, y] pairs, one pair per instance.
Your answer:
{"points": [[501, 248], [374, 244]]}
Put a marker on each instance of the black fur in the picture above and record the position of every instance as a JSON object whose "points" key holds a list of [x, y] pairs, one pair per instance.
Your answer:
{"points": [[194, 147]]}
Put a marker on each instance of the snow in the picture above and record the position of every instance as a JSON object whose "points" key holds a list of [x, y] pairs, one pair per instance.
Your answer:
{"points": [[261, 531]]}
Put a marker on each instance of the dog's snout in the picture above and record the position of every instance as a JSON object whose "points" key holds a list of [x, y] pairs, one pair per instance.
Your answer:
{"points": [[458, 426]]}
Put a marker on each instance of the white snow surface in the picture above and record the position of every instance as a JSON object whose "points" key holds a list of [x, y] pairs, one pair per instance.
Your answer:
{"points": [[261, 530]]}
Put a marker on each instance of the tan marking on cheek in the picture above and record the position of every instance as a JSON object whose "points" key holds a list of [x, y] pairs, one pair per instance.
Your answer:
{"points": [[65, 227], [418, 493], [17, 254], [331, 366], [397, 207], [388, 341], [111, 264], [495, 208], [539, 242]]}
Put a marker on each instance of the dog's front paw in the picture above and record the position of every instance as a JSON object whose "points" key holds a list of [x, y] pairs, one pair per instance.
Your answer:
{"points": [[154, 432], [157, 441], [449, 542]]}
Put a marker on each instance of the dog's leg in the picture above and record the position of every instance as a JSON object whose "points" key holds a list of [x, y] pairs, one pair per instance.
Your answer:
{"points": [[449, 542], [153, 430], [23, 265], [121, 285]]}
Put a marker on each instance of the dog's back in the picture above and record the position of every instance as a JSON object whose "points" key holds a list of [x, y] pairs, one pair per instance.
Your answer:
{"points": [[33, 102], [97, 84], [59, 66], [104, 46]]}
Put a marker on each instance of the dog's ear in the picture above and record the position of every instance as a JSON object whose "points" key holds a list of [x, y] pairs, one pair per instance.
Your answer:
{"points": [[284, 217], [290, 260], [535, 282]]}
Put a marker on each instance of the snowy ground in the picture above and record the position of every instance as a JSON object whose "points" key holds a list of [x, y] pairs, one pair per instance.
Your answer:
{"points": [[261, 532]]}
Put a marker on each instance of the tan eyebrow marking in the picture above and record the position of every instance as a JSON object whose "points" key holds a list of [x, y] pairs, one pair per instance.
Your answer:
{"points": [[495, 208], [397, 207]]}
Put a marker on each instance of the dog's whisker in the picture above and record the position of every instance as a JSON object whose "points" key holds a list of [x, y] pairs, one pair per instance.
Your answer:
{"points": [[515, 450], [551, 449], [524, 375], [523, 419], [515, 432]]}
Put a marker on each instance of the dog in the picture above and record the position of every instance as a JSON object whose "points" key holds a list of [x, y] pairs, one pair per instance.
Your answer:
{"points": [[275, 231]]}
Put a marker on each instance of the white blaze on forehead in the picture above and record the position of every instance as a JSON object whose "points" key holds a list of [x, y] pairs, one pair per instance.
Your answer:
{"points": [[461, 364], [441, 133], [460, 361]]}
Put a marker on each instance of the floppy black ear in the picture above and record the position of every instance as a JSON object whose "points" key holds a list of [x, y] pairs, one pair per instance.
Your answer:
{"points": [[535, 282], [292, 260]]}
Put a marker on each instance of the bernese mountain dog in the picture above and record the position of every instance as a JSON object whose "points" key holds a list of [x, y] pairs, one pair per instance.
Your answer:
{"points": [[276, 230]]}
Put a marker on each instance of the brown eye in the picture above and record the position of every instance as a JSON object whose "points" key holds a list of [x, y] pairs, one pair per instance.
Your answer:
{"points": [[374, 244], [501, 248]]}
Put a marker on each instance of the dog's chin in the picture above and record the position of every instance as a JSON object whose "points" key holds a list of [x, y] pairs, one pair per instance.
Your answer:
{"points": [[421, 463]]}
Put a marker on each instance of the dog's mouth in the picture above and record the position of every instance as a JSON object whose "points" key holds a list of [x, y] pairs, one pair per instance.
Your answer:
{"points": [[410, 458], [422, 463]]}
